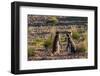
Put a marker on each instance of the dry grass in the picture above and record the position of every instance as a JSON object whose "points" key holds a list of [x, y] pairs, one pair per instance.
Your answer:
{"points": [[79, 36]]}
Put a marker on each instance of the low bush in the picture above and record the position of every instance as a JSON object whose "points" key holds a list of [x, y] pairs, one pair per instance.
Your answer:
{"points": [[75, 35], [31, 51], [47, 43]]}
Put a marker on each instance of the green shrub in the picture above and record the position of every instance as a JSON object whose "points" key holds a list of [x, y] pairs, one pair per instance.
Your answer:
{"points": [[31, 51], [75, 35], [53, 20], [39, 40], [48, 43]]}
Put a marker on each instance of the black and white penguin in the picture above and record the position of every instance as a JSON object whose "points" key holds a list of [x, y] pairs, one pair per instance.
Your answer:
{"points": [[56, 44], [71, 48]]}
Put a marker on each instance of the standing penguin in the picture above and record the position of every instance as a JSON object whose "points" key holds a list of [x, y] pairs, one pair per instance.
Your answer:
{"points": [[70, 45], [56, 44]]}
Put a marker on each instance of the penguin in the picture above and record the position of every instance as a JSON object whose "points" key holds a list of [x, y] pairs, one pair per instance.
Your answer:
{"points": [[71, 48], [56, 44]]}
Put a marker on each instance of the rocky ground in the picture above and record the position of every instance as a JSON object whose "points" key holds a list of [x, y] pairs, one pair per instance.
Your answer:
{"points": [[43, 55]]}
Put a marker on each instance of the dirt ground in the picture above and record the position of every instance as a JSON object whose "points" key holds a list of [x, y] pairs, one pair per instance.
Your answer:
{"points": [[43, 55]]}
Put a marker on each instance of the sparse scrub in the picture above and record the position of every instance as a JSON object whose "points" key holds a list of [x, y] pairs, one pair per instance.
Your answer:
{"points": [[31, 51], [75, 35], [82, 46], [48, 43]]}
